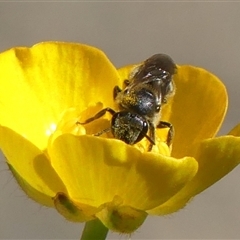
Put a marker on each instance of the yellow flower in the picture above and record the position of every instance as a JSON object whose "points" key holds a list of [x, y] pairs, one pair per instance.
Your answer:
{"points": [[45, 90]]}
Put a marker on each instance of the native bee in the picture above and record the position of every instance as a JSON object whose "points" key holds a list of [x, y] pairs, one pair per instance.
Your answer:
{"points": [[148, 87]]}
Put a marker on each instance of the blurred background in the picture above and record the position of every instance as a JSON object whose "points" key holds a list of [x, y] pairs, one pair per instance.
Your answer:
{"points": [[205, 34]]}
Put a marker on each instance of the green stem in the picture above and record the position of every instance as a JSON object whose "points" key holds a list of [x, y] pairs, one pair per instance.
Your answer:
{"points": [[94, 230]]}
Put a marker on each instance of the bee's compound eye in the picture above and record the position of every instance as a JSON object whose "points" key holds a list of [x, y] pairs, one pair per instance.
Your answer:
{"points": [[129, 127]]}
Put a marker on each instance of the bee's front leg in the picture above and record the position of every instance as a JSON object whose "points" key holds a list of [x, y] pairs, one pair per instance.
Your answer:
{"points": [[163, 124], [116, 91], [97, 116], [151, 137]]}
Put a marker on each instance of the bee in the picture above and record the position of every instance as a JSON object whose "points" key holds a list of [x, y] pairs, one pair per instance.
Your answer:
{"points": [[148, 87]]}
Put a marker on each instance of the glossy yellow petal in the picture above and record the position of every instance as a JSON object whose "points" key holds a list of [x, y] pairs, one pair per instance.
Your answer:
{"points": [[30, 191], [39, 83], [216, 158], [30, 166], [95, 170], [196, 110]]}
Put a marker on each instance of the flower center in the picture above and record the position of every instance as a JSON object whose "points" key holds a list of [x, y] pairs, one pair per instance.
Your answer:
{"points": [[71, 123]]}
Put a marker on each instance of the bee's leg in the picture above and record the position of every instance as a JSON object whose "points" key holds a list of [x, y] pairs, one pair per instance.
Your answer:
{"points": [[163, 124], [151, 137], [98, 115], [126, 82], [116, 91], [102, 132]]}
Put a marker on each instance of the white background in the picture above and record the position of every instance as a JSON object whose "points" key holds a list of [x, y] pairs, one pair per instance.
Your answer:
{"points": [[205, 34]]}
